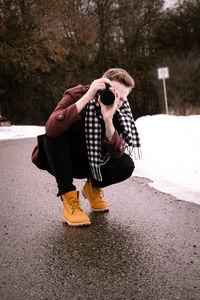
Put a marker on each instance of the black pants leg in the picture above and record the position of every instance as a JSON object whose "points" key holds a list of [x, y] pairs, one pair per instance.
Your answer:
{"points": [[67, 159], [115, 170]]}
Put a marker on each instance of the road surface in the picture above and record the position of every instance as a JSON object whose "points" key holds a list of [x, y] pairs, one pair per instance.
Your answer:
{"points": [[146, 247]]}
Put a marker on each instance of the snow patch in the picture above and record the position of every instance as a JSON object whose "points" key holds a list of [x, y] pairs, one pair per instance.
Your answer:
{"points": [[20, 131]]}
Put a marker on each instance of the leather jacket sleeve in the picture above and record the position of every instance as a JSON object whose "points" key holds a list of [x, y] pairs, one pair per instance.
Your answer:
{"points": [[64, 115], [115, 147]]}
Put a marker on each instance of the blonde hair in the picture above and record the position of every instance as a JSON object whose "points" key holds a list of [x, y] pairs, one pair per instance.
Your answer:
{"points": [[121, 76]]}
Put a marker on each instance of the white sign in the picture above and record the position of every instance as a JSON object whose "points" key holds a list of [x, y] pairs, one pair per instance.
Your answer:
{"points": [[163, 73]]}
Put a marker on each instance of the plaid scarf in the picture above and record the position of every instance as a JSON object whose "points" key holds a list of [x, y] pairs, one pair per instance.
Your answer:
{"points": [[93, 120]]}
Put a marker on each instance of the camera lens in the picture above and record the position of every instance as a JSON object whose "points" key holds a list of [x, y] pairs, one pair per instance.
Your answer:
{"points": [[107, 97]]}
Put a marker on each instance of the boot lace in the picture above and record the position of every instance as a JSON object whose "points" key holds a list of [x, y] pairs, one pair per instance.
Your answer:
{"points": [[75, 204], [96, 191]]}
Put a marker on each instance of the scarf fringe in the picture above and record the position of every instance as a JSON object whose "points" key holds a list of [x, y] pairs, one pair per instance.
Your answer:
{"points": [[96, 173], [137, 153]]}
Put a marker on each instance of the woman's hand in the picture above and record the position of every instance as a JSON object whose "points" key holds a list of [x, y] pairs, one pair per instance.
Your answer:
{"points": [[97, 85]]}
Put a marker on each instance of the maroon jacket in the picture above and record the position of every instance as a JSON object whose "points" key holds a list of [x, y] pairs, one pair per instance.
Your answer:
{"points": [[66, 117]]}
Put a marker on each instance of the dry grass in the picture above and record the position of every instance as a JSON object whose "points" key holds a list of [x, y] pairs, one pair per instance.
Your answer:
{"points": [[185, 111]]}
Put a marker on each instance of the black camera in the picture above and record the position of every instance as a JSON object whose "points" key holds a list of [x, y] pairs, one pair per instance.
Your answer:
{"points": [[107, 97]]}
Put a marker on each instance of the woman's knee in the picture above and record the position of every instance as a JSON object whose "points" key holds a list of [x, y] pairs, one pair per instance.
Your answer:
{"points": [[124, 167], [128, 165]]}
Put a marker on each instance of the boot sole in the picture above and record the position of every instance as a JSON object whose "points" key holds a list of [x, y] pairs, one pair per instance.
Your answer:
{"points": [[94, 209], [75, 224], [102, 209]]}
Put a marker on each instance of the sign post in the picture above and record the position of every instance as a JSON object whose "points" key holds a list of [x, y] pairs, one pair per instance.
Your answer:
{"points": [[163, 73]]}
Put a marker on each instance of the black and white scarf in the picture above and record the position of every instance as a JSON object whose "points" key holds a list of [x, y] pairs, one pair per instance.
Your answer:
{"points": [[93, 119]]}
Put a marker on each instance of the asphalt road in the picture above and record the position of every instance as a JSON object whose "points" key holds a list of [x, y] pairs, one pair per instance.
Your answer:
{"points": [[146, 247]]}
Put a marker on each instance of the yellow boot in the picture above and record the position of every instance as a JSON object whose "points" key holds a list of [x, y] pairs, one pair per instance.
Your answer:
{"points": [[95, 197], [72, 212]]}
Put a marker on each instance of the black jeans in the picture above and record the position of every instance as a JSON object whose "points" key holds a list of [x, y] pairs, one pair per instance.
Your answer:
{"points": [[67, 159]]}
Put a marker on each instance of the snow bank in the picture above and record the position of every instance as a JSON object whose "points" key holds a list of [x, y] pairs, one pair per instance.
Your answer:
{"points": [[171, 154]]}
